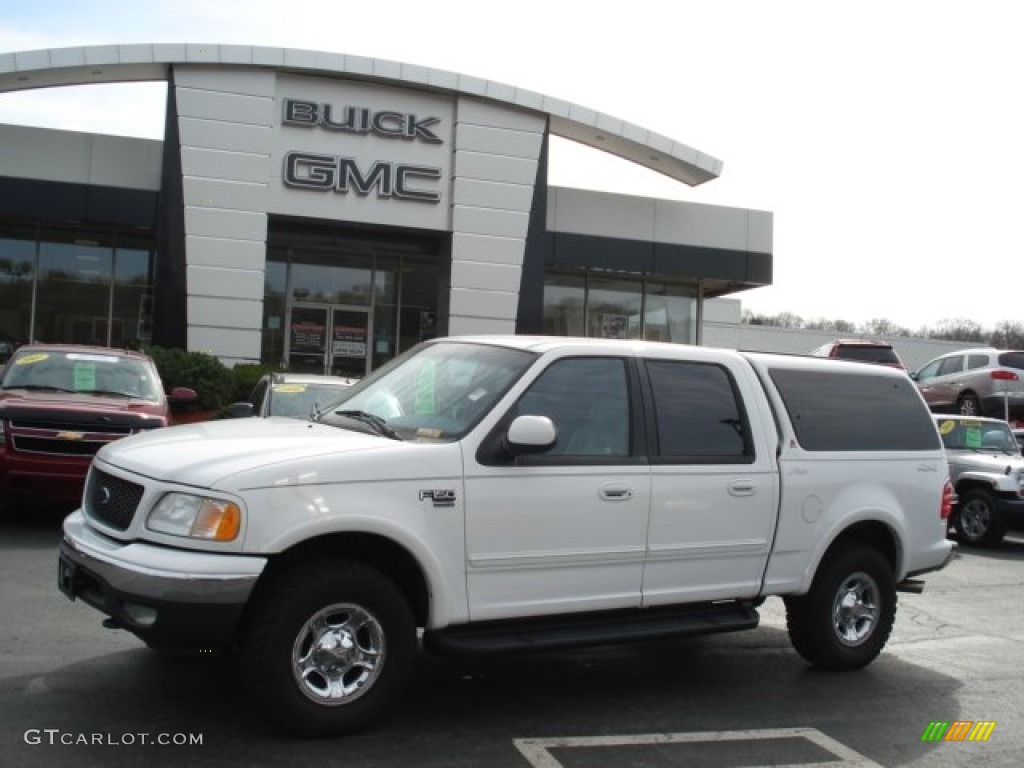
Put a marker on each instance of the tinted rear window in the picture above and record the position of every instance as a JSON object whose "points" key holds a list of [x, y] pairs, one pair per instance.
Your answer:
{"points": [[1012, 360], [868, 354], [845, 411]]}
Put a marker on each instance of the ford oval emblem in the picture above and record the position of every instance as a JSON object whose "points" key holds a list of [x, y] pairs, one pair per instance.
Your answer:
{"points": [[104, 496]]}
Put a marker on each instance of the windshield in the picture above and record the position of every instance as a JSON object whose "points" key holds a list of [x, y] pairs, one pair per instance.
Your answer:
{"points": [[437, 390], [968, 434], [82, 372]]}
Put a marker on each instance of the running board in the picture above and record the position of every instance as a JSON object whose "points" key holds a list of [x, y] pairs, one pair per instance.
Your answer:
{"points": [[575, 630]]}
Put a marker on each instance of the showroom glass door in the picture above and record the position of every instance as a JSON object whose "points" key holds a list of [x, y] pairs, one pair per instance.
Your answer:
{"points": [[350, 334], [328, 339]]}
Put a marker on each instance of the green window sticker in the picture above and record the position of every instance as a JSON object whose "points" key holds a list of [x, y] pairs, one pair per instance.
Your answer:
{"points": [[972, 436], [85, 376]]}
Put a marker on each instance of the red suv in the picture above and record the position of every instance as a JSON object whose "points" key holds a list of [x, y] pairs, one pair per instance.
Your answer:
{"points": [[863, 350], [59, 404]]}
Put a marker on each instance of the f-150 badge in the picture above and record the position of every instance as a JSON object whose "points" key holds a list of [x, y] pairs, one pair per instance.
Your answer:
{"points": [[441, 498]]}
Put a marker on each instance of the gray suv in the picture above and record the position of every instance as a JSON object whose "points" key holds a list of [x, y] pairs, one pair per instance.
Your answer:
{"points": [[987, 472], [974, 382]]}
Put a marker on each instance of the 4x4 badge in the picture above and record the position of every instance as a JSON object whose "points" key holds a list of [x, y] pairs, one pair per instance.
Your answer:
{"points": [[441, 498]]}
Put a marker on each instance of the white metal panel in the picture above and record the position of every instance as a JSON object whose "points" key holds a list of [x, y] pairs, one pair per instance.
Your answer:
{"points": [[228, 254], [498, 141], [602, 214], [224, 312], [492, 194], [232, 195], [487, 277], [490, 221], [479, 165], [214, 134], [239, 343], [486, 248], [225, 164], [478, 303], [229, 107], [240, 225], [225, 283]]}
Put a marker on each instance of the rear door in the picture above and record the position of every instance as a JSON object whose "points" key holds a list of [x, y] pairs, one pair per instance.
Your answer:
{"points": [[713, 487]]}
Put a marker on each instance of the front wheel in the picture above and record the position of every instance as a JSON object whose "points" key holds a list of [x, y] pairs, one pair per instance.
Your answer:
{"points": [[845, 619], [327, 648], [976, 522]]}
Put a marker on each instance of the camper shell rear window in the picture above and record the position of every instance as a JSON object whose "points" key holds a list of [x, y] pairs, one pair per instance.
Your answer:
{"points": [[854, 411]]}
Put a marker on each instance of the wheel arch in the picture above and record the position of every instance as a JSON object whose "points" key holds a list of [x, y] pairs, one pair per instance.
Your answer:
{"points": [[389, 557], [872, 533]]}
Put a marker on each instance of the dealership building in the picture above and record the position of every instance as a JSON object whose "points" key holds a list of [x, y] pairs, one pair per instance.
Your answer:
{"points": [[325, 212]]}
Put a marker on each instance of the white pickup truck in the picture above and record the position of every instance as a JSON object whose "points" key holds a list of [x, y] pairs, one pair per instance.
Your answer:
{"points": [[490, 494]]}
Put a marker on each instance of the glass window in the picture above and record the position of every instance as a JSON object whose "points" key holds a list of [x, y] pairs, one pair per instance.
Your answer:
{"points": [[564, 300], [436, 391], [698, 413], [275, 285], [855, 412], [332, 283], [73, 296], [17, 272], [132, 306], [951, 365], [588, 401], [614, 309], [670, 313]]}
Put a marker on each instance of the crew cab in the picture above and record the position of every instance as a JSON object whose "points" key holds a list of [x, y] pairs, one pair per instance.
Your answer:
{"points": [[482, 495]]}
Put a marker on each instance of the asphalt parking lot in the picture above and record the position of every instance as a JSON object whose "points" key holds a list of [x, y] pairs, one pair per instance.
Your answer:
{"points": [[75, 694]]}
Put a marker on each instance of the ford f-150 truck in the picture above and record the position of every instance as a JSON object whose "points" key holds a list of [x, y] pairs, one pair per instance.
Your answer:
{"points": [[491, 494]]}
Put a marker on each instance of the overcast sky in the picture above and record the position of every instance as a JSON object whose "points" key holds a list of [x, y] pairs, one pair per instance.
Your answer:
{"points": [[887, 138]]}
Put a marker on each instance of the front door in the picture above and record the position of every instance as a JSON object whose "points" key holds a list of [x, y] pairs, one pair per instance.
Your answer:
{"points": [[328, 339], [566, 530]]}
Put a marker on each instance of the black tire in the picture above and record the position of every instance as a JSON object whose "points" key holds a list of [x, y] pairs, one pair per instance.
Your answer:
{"points": [[845, 619], [327, 648], [968, 404], [976, 520]]}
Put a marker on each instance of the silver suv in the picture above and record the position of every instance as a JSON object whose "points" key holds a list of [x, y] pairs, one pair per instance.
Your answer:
{"points": [[974, 382], [987, 472]]}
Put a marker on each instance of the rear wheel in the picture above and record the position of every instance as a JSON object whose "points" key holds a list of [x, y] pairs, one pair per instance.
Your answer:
{"points": [[327, 648], [845, 619], [977, 522]]}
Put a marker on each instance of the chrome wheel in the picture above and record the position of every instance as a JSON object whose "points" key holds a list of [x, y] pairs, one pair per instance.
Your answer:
{"points": [[855, 610], [338, 654]]}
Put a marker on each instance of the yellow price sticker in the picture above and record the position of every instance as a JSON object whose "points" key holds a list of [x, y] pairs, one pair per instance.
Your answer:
{"points": [[946, 427], [29, 359]]}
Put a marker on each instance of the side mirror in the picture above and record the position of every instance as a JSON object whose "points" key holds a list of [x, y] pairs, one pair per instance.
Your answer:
{"points": [[239, 410], [530, 434], [182, 395], [913, 375]]}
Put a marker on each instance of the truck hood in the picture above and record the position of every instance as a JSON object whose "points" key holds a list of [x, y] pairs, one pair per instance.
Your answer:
{"points": [[205, 454], [20, 403]]}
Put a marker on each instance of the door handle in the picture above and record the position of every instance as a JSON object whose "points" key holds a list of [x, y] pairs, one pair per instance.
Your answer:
{"points": [[616, 492], [741, 487]]}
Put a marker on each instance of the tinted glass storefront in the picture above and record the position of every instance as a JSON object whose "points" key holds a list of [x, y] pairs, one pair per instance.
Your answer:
{"points": [[345, 302], [596, 304], [75, 284]]}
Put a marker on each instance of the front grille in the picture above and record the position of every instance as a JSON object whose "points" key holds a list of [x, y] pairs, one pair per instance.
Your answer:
{"points": [[111, 499], [64, 438], [55, 447]]}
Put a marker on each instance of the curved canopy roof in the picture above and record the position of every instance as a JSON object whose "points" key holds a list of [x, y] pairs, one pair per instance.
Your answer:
{"points": [[125, 63]]}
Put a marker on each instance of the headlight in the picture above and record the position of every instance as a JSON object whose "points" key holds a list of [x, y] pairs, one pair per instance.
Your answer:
{"points": [[197, 517]]}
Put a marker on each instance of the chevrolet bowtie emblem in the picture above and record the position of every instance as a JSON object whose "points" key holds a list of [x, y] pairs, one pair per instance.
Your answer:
{"points": [[70, 435]]}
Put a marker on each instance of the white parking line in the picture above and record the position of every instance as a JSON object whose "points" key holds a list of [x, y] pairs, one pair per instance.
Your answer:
{"points": [[536, 751]]}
